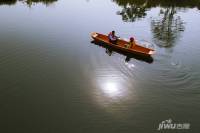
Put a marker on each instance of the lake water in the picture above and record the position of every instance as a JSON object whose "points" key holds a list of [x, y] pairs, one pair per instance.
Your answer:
{"points": [[54, 80]]}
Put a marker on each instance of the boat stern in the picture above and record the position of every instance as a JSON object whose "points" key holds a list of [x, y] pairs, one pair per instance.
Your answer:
{"points": [[152, 52]]}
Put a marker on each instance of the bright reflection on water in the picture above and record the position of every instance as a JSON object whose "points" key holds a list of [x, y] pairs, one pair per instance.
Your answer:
{"points": [[111, 89], [129, 65]]}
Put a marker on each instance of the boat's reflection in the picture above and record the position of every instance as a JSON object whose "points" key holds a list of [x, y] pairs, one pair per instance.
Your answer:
{"points": [[110, 50]]}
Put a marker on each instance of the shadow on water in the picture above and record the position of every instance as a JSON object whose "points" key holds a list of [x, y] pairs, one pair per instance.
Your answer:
{"points": [[168, 26], [28, 2], [129, 56]]}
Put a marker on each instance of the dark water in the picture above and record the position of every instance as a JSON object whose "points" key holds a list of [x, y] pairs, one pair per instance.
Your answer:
{"points": [[54, 80]]}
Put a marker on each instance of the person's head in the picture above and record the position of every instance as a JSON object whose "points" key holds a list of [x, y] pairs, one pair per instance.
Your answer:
{"points": [[113, 32], [131, 39]]}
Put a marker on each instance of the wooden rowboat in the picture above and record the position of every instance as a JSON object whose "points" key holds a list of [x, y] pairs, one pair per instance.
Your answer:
{"points": [[136, 49]]}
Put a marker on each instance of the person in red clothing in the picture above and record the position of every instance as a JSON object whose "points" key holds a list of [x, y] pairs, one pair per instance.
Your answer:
{"points": [[112, 37]]}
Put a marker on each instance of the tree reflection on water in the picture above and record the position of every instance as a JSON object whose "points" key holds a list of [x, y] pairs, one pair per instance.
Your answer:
{"points": [[168, 26], [29, 2], [131, 13], [7, 2], [46, 2]]}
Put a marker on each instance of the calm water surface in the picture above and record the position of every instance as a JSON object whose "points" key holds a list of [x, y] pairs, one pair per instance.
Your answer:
{"points": [[54, 80]]}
